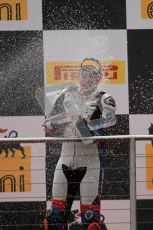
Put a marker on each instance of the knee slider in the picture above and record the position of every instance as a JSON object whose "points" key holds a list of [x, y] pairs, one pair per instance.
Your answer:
{"points": [[89, 216]]}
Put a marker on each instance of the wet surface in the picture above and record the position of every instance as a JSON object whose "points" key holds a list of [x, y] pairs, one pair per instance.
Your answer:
{"points": [[21, 72], [87, 14]]}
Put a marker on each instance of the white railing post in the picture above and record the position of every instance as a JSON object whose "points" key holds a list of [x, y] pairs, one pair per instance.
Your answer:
{"points": [[133, 219]]}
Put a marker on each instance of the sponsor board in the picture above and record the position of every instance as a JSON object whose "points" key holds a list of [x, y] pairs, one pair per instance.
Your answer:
{"points": [[15, 173], [147, 9], [13, 10], [60, 72], [149, 166]]}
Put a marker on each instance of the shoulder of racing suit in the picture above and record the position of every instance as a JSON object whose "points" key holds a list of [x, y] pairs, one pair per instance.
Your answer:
{"points": [[104, 102], [104, 107]]}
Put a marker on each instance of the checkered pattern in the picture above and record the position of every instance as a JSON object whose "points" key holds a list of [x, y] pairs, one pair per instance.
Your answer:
{"points": [[65, 31]]}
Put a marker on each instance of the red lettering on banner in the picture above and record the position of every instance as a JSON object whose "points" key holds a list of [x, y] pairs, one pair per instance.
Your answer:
{"points": [[3, 130], [71, 73], [57, 73], [66, 76], [110, 71]]}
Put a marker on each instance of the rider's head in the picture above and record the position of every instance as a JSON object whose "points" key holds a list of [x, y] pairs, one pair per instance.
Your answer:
{"points": [[90, 75]]}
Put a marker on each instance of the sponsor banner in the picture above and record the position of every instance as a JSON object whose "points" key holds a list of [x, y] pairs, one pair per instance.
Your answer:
{"points": [[141, 124], [139, 14], [13, 10], [15, 173], [147, 9], [20, 15], [144, 170], [22, 163], [60, 72], [149, 166]]}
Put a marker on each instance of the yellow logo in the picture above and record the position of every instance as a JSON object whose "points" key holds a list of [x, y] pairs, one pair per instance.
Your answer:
{"points": [[13, 9], [88, 214], [92, 63], [15, 173], [60, 72], [149, 166], [147, 9]]}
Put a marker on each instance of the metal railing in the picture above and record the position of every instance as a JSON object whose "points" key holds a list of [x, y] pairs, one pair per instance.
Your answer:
{"points": [[131, 138]]}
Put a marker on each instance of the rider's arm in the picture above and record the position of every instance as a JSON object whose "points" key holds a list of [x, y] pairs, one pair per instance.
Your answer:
{"points": [[104, 114]]}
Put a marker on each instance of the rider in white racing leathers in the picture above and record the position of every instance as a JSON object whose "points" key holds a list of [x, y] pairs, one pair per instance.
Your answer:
{"points": [[79, 165]]}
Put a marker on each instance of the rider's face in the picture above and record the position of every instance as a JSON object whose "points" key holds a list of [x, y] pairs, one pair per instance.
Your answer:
{"points": [[88, 83]]}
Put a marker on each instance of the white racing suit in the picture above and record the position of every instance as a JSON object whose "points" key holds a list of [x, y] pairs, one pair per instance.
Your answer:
{"points": [[79, 168]]}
